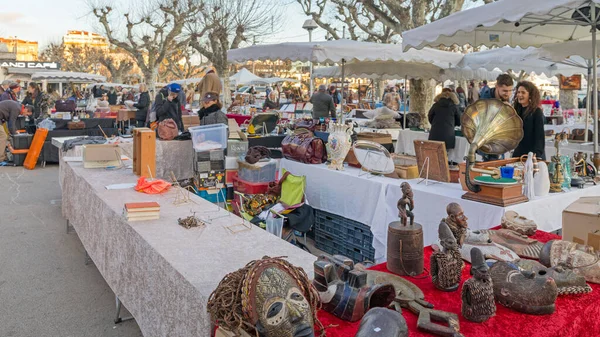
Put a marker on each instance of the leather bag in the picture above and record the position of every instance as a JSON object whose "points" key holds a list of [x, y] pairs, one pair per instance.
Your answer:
{"points": [[65, 106], [309, 124], [304, 147], [167, 129], [579, 135]]}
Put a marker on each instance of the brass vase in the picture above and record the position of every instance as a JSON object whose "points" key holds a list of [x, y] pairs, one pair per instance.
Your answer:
{"points": [[596, 160], [557, 178]]}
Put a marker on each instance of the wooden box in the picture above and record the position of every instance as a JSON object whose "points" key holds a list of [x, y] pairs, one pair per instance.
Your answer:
{"points": [[144, 152]]}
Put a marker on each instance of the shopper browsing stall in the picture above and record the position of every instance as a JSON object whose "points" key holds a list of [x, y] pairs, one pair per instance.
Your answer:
{"points": [[37, 99], [11, 93], [322, 103], [444, 116], [168, 106], [211, 110], [142, 105], [210, 83], [9, 111], [271, 102], [527, 106]]}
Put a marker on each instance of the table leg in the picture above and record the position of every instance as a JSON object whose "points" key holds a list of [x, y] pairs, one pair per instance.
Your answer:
{"points": [[69, 228], [88, 259], [118, 318]]}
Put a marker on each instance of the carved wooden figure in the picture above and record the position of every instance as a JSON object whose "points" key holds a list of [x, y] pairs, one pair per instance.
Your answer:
{"points": [[477, 294], [446, 264]]}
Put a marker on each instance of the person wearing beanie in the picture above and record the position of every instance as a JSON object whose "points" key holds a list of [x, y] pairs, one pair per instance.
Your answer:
{"points": [[322, 103], [168, 105], [11, 93]]}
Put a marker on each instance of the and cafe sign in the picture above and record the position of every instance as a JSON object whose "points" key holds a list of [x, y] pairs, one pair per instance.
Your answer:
{"points": [[30, 65]]}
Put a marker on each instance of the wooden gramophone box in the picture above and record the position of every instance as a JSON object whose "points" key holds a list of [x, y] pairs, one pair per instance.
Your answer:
{"points": [[496, 195]]}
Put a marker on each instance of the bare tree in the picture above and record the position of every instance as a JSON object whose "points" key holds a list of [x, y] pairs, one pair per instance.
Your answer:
{"points": [[383, 21], [71, 58], [179, 66], [118, 67], [150, 36], [222, 24]]}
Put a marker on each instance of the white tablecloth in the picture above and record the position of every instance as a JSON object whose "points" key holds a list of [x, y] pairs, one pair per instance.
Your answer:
{"points": [[560, 128], [406, 138], [570, 149], [372, 201]]}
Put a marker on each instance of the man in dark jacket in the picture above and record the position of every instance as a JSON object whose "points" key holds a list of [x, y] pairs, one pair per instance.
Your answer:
{"points": [[322, 103], [444, 116], [503, 89], [9, 111], [142, 105], [168, 106]]}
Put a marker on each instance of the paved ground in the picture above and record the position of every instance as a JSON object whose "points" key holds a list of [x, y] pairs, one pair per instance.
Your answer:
{"points": [[46, 290]]}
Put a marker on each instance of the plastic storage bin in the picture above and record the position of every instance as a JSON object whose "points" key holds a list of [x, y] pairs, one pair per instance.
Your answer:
{"points": [[261, 172], [209, 137], [338, 235], [246, 187], [236, 148]]}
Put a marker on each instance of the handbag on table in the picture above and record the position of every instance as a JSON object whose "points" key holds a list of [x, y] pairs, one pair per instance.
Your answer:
{"points": [[304, 147], [167, 129]]}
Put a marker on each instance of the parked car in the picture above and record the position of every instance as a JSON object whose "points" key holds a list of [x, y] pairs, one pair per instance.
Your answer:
{"points": [[259, 91]]}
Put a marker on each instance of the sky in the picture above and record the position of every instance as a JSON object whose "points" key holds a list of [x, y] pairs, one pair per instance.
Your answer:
{"points": [[47, 21]]}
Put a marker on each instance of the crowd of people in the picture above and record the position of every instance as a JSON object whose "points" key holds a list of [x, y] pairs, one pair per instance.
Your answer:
{"points": [[448, 107]]}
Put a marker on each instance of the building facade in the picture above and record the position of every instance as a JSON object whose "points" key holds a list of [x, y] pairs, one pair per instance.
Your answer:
{"points": [[82, 38], [24, 50]]}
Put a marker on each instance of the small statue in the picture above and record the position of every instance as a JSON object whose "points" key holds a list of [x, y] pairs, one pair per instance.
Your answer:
{"points": [[523, 291], [446, 264], [406, 200], [457, 221], [382, 322], [344, 291], [477, 292]]}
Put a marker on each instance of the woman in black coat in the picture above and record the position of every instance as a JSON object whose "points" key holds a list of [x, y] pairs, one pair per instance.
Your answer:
{"points": [[142, 105], [527, 105], [444, 116]]}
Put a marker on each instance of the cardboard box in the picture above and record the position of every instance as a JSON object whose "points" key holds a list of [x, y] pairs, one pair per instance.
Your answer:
{"points": [[101, 155], [581, 222]]}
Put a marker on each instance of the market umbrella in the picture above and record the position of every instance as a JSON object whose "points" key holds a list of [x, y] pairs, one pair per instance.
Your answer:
{"points": [[340, 51], [517, 23]]}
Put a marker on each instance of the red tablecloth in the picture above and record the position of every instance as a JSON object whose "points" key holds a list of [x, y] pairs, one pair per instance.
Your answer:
{"points": [[240, 119], [575, 316]]}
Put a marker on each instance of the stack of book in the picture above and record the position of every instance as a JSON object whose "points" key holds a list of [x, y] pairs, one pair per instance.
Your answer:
{"points": [[140, 211]]}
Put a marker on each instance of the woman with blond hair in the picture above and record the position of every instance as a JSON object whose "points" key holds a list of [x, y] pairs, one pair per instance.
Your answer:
{"points": [[142, 105]]}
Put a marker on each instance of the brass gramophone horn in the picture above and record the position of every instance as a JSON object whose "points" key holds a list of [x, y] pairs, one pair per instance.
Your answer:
{"points": [[492, 127]]}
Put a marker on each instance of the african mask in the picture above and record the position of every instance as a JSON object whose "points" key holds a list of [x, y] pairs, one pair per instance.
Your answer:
{"points": [[567, 281], [581, 259], [519, 243], [276, 299], [523, 291], [344, 291]]}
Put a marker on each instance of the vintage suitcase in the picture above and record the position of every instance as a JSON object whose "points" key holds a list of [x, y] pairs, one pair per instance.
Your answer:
{"points": [[304, 147], [76, 125]]}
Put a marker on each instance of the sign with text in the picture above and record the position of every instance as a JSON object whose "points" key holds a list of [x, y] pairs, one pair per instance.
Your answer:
{"points": [[30, 65]]}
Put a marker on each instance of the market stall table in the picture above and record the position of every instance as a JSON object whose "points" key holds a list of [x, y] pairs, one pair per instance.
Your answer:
{"points": [[575, 315], [171, 156], [162, 273], [406, 138], [372, 200]]}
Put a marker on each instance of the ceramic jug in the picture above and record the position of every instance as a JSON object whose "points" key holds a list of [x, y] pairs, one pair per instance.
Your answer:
{"points": [[338, 144], [541, 180]]}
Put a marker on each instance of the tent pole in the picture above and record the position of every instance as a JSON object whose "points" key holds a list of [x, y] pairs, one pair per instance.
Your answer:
{"points": [[587, 101], [404, 103], [343, 81], [595, 77]]}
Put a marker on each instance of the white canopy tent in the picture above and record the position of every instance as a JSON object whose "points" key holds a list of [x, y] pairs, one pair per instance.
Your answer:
{"points": [[110, 85], [341, 51], [517, 23], [61, 77], [244, 76], [273, 80]]}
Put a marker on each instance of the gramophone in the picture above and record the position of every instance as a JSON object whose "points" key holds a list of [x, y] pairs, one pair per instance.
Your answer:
{"points": [[492, 127]]}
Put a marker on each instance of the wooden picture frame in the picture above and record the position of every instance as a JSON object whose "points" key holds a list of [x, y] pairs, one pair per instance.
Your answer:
{"points": [[570, 82], [434, 153]]}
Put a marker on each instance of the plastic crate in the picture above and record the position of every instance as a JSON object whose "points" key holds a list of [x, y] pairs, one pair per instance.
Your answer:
{"points": [[246, 187], [210, 155], [214, 196], [209, 137], [334, 245], [261, 172], [347, 230]]}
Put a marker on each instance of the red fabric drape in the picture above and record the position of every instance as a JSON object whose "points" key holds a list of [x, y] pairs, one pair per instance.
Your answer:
{"points": [[575, 316]]}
